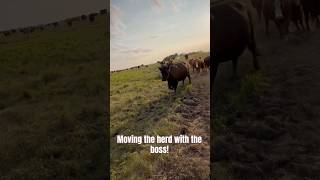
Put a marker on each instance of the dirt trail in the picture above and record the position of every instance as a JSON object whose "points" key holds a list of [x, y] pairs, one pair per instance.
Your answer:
{"points": [[278, 136], [192, 161]]}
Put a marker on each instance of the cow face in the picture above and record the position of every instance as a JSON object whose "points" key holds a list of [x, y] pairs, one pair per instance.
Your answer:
{"points": [[164, 72]]}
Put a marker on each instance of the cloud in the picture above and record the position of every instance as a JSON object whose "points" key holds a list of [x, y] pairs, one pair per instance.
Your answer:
{"points": [[154, 36], [117, 27], [157, 4], [176, 5], [136, 51]]}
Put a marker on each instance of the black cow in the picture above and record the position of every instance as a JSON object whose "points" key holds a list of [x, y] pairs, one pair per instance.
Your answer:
{"points": [[232, 32], [103, 11], [92, 17], [173, 73], [83, 17], [55, 24], [69, 22]]}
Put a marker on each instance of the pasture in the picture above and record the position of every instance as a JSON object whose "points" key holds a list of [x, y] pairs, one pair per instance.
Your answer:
{"points": [[52, 99], [141, 104]]}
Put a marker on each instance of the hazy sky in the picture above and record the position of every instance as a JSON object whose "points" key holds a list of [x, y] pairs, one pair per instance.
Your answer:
{"points": [[146, 31], [20, 13]]}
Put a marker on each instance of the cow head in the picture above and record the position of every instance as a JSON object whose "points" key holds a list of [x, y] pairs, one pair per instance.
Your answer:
{"points": [[164, 69]]}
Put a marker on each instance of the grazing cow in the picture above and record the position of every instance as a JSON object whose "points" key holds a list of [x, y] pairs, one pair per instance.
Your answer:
{"points": [[69, 22], [173, 73], [55, 24], [92, 17], [103, 11], [207, 62], [23, 31], [31, 29], [311, 8], [83, 17], [233, 32], [7, 33], [257, 4]]}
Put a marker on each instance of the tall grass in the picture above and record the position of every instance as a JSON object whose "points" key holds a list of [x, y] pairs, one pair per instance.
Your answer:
{"points": [[52, 99]]}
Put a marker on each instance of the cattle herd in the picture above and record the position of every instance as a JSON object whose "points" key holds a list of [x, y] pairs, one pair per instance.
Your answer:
{"points": [[232, 30], [69, 22], [175, 72], [283, 12]]}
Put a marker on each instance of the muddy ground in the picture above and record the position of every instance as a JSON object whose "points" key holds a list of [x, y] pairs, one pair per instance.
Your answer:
{"points": [[192, 161], [276, 135]]}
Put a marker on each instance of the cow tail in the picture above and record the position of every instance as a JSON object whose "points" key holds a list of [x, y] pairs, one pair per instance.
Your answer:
{"points": [[252, 36]]}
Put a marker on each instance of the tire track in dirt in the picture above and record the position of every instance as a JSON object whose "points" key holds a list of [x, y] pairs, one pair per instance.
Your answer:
{"points": [[192, 161]]}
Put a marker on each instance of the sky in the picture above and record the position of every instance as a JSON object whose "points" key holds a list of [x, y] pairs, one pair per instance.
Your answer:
{"points": [[22, 13], [146, 31]]}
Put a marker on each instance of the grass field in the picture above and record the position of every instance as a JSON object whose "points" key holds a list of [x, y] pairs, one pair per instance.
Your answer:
{"points": [[141, 104], [52, 99]]}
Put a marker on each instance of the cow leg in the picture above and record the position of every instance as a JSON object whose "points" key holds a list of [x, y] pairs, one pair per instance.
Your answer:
{"points": [[189, 77], [175, 86], [297, 25], [253, 50], [306, 18], [266, 21], [278, 24], [259, 13], [301, 24]]}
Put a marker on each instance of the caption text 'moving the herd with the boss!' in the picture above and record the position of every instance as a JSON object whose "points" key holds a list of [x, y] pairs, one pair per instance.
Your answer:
{"points": [[146, 139]]}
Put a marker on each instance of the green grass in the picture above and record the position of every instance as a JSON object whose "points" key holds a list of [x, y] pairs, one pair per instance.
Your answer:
{"points": [[141, 104], [52, 99]]}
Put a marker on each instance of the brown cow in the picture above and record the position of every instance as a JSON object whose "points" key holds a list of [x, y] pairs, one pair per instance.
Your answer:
{"points": [[173, 73], [281, 12], [232, 32], [197, 64], [192, 63]]}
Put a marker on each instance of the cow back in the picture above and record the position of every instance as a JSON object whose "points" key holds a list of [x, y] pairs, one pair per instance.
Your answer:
{"points": [[178, 71], [230, 31]]}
